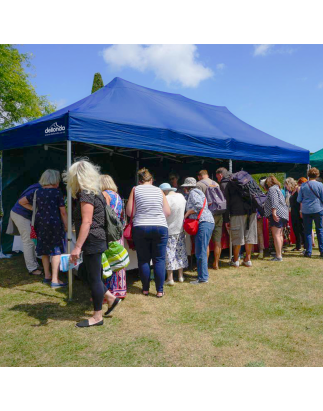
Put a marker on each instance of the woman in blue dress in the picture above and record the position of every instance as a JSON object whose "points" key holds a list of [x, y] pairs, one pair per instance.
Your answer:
{"points": [[50, 224], [117, 283]]}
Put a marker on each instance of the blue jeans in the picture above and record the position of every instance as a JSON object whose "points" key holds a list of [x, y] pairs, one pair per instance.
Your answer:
{"points": [[308, 224], [150, 242], [202, 240]]}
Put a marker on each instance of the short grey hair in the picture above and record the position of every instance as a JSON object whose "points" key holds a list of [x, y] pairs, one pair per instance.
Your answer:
{"points": [[50, 178]]}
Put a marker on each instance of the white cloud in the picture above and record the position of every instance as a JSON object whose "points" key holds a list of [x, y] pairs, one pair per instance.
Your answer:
{"points": [[265, 49], [61, 103], [175, 64], [320, 85], [220, 66], [262, 49]]}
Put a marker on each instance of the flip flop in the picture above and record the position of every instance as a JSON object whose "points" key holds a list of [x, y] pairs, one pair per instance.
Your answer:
{"points": [[37, 269]]}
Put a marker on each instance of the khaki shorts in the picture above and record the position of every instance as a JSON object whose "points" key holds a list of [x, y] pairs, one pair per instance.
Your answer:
{"points": [[239, 233], [217, 232]]}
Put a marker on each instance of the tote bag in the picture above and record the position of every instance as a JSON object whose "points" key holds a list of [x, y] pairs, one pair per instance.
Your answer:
{"points": [[191, 226]]}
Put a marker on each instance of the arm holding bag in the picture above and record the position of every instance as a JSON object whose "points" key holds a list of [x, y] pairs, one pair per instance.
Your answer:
{"points": [[191, 226]]}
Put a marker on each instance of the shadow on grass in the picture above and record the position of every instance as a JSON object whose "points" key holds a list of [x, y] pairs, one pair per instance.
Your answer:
{"points": [[43, 312]]}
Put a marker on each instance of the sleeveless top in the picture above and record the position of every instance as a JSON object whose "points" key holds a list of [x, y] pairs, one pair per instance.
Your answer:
{"points": [[149, 206]]}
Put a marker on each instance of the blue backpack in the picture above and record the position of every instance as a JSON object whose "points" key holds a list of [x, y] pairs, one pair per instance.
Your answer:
{"points": [[215, 199]]}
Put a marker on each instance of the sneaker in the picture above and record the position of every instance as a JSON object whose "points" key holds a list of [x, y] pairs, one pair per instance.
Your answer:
{"points": [[277, 259], [247, 263], [171, 282], [198, 282], [261, 255], [58, 285], [234, 263], [321, 254], [180, 279], [307, 255]]}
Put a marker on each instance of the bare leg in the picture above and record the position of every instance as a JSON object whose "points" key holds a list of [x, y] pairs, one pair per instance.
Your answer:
{"points": [[180, 274], [236, 252], [55, 269], [169, 275], [45, 260], [97, 316], [248, 248], [217, 253], [110, 298], [278, 240]]}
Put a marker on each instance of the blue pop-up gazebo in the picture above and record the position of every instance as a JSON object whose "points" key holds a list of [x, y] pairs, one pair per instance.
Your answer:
{"points": [[128, 118], [123, 114]]}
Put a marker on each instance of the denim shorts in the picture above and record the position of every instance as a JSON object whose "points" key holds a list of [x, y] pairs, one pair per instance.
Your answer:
{"points": [[281, 223]]}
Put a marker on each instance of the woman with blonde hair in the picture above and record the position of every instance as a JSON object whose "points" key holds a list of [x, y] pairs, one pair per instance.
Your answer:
{"points": [[150, 229], [83, 179], [277, 213], [50, 224], [297, 221], [311, 198], [117, 282]]}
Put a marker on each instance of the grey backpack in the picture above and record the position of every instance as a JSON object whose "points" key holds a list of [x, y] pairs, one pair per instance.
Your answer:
{"points": [[113, 226]]}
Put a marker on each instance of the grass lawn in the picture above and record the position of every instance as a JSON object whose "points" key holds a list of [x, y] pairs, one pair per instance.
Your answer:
{"points": [[267, 315]]}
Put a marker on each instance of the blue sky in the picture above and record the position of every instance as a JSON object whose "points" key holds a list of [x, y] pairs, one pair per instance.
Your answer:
{"points": [[278, 89]]}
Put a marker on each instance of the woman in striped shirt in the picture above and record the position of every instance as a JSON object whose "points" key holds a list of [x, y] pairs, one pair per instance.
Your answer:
{"points": [[150, 230], [277, 213]]}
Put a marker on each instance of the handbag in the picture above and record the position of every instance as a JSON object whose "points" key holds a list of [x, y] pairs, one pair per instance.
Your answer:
{"points": [[191, 226], [33, 234], [127, 234]]}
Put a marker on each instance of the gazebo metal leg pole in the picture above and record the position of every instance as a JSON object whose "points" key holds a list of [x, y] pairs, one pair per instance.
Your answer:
{"points": [[137, 168], [69, 216], [230, 247]]}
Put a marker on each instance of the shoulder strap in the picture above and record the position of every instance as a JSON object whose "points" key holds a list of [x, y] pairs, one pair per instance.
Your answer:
{"points": [[133, 203], [200, 213], [34, 208], [308, 183], [203, 181]]}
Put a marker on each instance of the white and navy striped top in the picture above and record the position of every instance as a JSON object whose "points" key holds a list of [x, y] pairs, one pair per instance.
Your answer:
{"points": [[149, 206]]}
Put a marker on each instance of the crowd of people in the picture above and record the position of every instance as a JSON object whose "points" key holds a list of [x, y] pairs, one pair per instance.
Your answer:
{"points": [[159, 217]]}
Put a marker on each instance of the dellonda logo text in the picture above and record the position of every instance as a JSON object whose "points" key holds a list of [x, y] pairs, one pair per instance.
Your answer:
{"points": [[54, 128]]}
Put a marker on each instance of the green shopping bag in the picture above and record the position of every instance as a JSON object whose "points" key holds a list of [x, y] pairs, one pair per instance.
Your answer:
{"points": [[107, 272], [117, 256]]}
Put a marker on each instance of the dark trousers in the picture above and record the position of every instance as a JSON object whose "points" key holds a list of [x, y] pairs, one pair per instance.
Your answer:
{"points": [[308, 224], [93, 266], [150, 242], [298, 228]]}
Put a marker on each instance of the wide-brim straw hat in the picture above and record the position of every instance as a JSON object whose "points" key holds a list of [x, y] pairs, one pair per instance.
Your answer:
{"points": [[189, 182]]}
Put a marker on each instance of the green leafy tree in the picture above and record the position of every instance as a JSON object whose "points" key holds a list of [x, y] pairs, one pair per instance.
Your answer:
{"points": [[19, 101], [97, 83]]}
